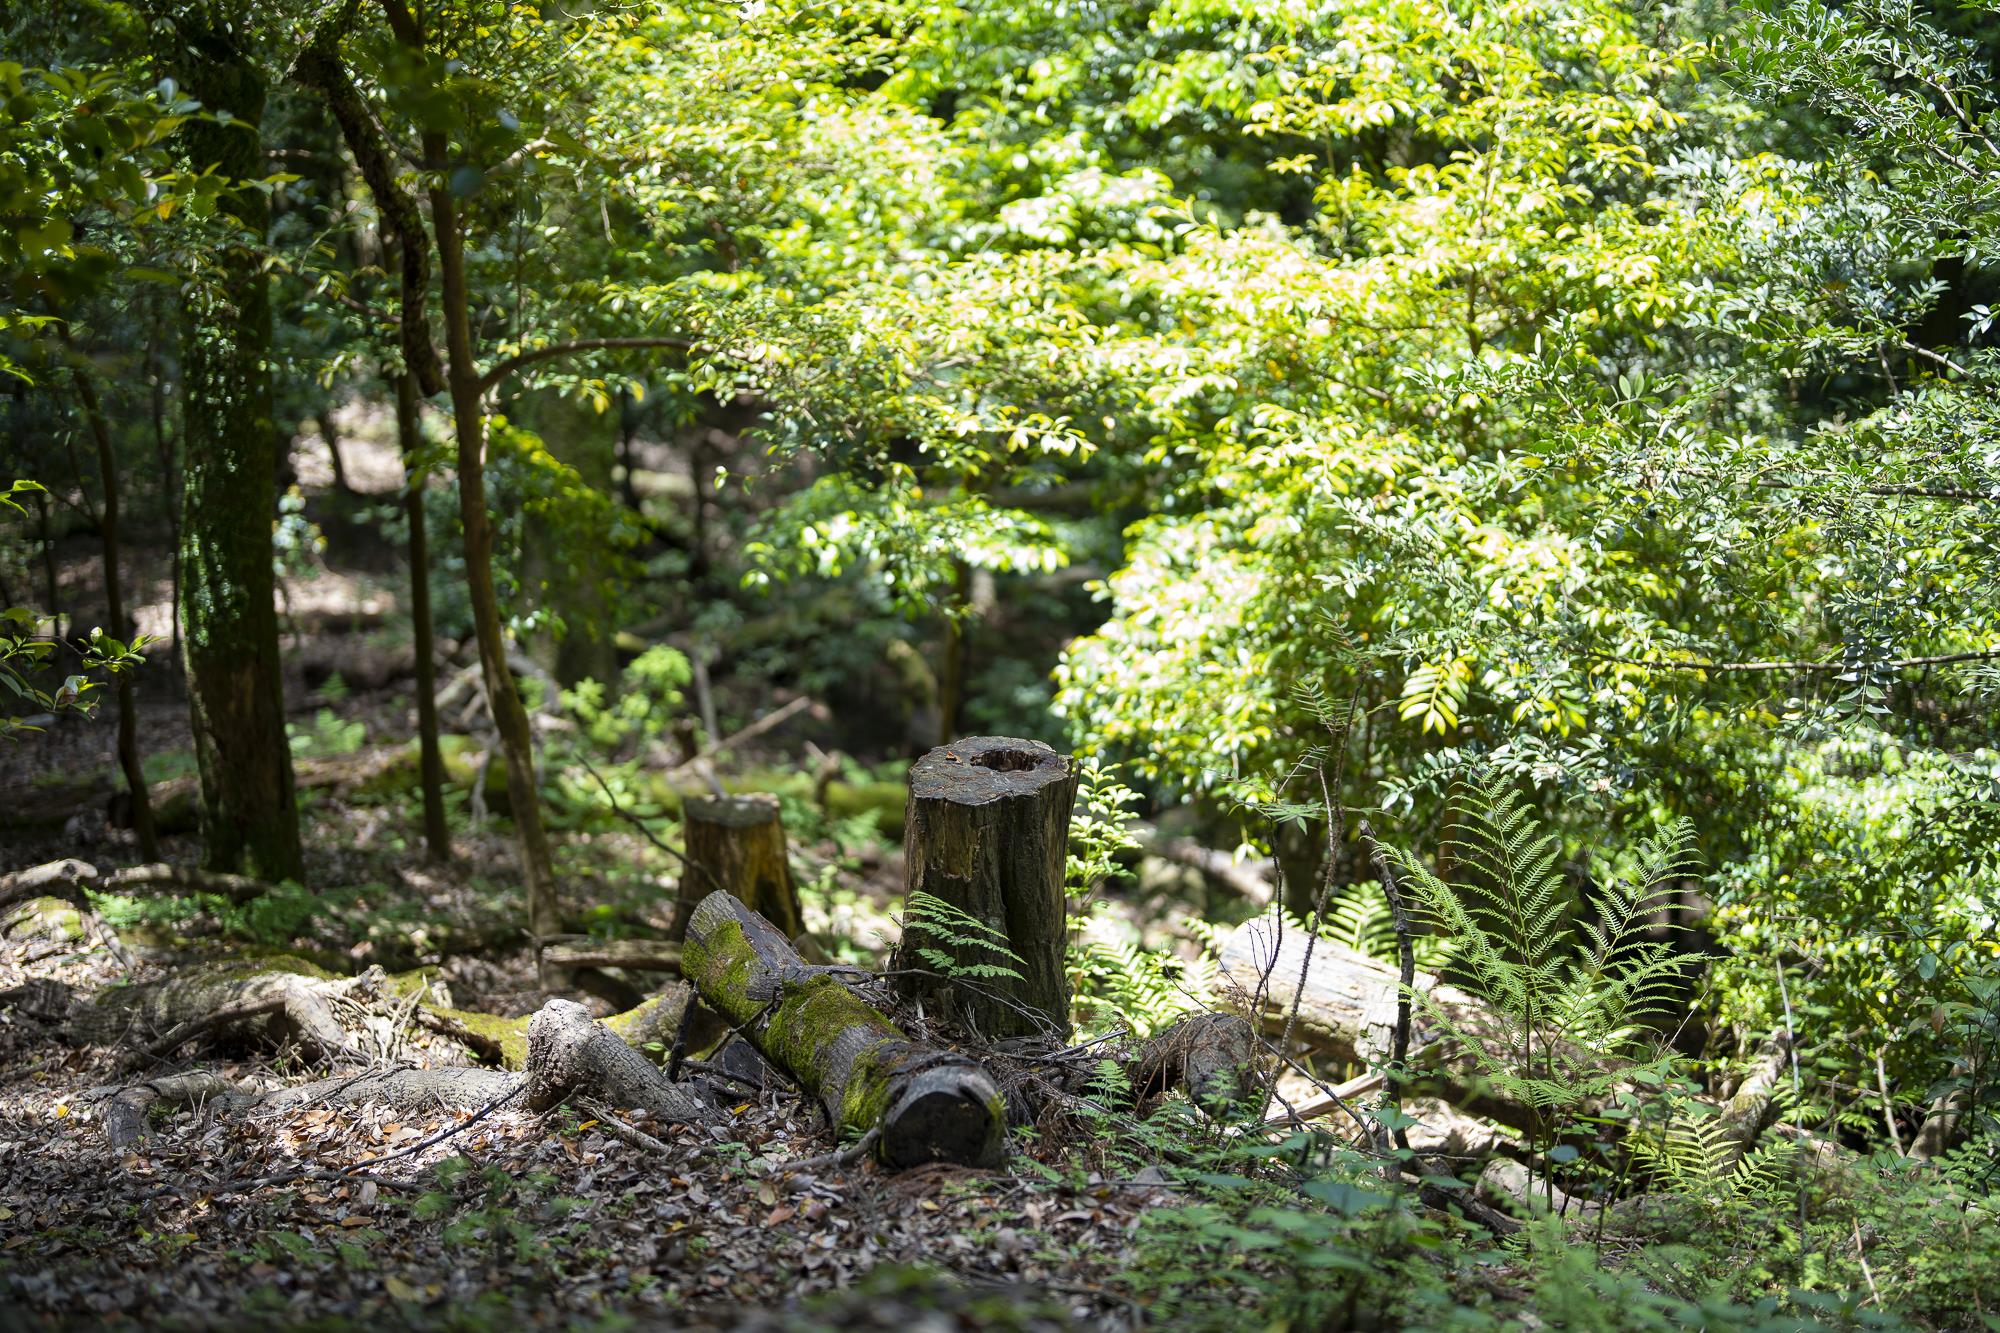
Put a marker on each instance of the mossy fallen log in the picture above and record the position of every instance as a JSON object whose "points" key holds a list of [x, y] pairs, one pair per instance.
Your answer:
{"points": [[924, 1104]]}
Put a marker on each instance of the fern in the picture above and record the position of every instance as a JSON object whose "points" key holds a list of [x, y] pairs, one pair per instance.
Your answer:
{"points": [[1565, 1002], [1697, 1155], [1141, 989], [959, 931]]}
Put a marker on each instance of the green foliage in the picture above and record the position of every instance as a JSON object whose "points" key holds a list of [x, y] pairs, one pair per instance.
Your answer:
{"points": [[958, 932], [1566, 992]]}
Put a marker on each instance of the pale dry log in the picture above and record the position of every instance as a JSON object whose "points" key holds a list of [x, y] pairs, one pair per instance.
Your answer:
{"points": [[300, 1009], [987, 832], [404, 1089], [929, 1104], [570, 1052], [736, 844], [1347, 1007], [636, 955], [1248, 880]]}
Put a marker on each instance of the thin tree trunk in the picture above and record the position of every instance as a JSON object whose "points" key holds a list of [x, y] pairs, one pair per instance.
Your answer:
{"points": [[51, 584], [951, 680], [163, 447], [114, 604], [510, 719], [437, 837], [229, 630], [324, 420]]}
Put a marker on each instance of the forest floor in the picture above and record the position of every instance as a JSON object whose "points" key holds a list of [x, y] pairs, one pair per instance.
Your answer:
{"points": [[341, 1217]]}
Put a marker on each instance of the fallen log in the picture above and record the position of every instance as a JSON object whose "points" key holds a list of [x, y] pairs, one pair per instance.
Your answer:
{"points": [[276, 1001], [986, 835], [636, 955], [1347, 1007], [929, 1104]]}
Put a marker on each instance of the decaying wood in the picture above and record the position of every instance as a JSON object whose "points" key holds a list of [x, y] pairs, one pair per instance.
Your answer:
{"points": [[987, 832], [930, 1104], [123, 1115], [289, 1004], [1249, 880], [1217, 1058], [570, 1052], [737, 844], [71, 878]]}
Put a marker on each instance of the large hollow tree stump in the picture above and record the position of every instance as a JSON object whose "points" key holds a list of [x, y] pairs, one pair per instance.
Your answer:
{"points": [[736, 844], [925, 1104], [987, 833]]}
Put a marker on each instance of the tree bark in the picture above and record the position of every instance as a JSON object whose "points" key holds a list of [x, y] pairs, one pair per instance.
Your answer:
{"points": [[737, 844], [927, 1104], [987, 833], [229, 625], [437, 837], [114, 603]]}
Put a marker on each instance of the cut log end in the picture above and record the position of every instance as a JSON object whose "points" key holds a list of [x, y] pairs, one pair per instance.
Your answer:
{"points": [[948, 1113], [980, 769]]}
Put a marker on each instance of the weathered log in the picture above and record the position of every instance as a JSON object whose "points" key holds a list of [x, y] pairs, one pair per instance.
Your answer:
{"points": [[298, 1010], [123, 1116], [1215, 1057], [737, 844], [987, 833], [928, 1104], [568, 1051], [1347, 1005], [1249, 880]]}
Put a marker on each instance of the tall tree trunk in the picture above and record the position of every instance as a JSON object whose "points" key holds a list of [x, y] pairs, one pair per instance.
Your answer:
{"points": [[114, 610], [437, 838], [510, 719], [331, 435], [229, 629]]}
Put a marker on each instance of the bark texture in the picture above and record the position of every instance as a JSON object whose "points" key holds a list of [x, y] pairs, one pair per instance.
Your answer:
{"points": [[737, 844], [1217, 1058], [229, 623], [570, 1052], [987, 832], [927, 1104]]}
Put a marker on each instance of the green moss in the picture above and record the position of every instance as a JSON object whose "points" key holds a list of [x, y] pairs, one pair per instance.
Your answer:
{"points": [[405, 984], [45, 916], [510, 1035]]}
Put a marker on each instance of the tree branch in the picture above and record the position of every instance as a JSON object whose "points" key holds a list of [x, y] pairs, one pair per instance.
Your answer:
{"points": [[534, 356], [318, 67], [1896, 664]]}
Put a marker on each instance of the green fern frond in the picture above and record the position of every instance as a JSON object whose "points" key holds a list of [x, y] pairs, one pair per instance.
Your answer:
{"points": [[936, 922]]}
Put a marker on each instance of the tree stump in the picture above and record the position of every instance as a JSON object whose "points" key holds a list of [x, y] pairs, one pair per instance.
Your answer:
{"points": [[924, 1104], [987, 834], [736, 844]]}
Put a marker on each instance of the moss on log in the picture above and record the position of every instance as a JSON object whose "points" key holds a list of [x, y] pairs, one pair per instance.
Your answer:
{"points": [[928, 1104]]}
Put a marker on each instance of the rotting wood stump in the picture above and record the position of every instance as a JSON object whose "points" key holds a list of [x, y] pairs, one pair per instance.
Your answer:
{"points": [[926, 1104], [737, 844], [987, 833]]}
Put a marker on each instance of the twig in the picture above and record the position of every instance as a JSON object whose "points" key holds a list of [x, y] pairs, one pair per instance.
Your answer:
{"points": [[629, 1135], [229, 1013], [852, 1153], [1406, 974]]}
